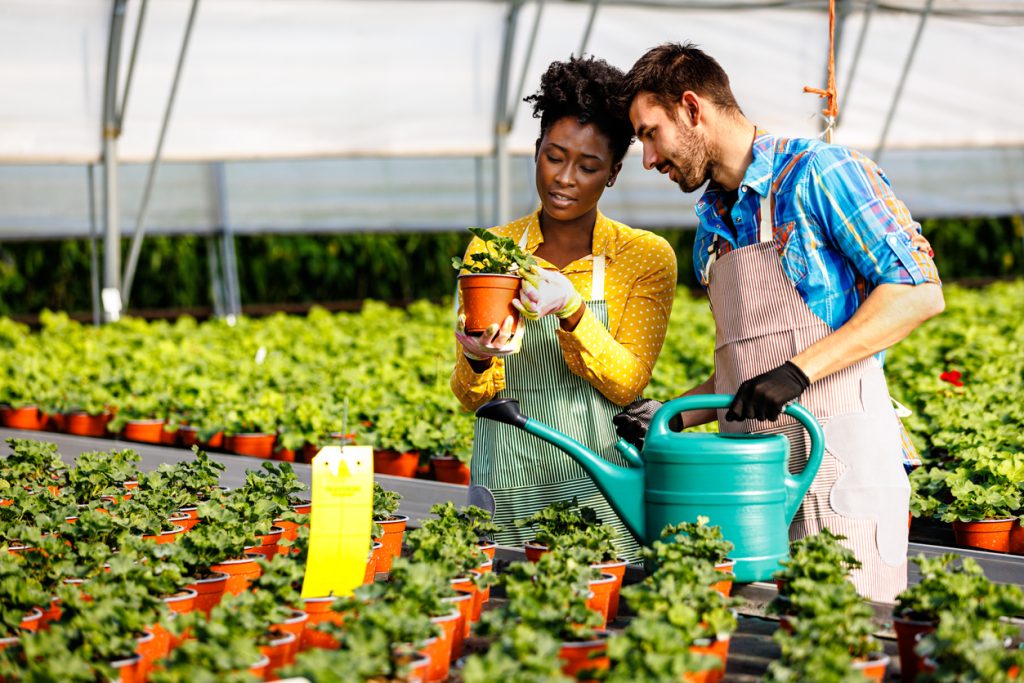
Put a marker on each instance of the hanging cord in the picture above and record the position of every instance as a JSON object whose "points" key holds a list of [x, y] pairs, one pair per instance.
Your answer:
{"points": [[831, 109]]}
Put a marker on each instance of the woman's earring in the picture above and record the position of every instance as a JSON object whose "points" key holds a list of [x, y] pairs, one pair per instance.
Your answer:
{"points": [[610, 183]]}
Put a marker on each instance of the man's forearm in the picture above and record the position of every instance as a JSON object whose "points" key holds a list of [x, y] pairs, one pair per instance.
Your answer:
{"points": [[887, 316], [692, 418]]}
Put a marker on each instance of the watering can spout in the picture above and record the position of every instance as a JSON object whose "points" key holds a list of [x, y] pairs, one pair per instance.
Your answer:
{"points": [[622, 486]]}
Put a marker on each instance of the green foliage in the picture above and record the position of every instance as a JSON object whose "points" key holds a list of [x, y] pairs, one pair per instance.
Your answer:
{"points": [[32, 464], [650, 650], [520, 655], [820, 558], [19, 593], [549, 596], [100, 473], [565, 524], [694, 540], [469, 520], [969, 648], [950, 580], [385, 503], [500, 255]]}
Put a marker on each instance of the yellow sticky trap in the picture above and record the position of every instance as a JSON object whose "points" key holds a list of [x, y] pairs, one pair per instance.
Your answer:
{"points": [[339, 538]]}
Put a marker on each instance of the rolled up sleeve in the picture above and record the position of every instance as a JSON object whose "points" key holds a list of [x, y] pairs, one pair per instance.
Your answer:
{"points": [[851, 198]]}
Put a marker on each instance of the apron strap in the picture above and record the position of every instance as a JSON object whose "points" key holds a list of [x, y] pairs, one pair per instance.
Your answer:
{"points": [[765, 232], [597, 279]]}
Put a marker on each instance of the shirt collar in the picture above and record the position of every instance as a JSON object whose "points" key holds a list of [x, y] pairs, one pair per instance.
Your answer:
{"points": [[603, 240], [759, 174]]}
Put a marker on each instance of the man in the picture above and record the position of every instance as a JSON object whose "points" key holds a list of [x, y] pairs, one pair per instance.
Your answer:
{"points": [[813, 268]]}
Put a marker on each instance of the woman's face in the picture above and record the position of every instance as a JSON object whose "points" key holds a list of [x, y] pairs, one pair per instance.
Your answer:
{"points": [[574, 166]]}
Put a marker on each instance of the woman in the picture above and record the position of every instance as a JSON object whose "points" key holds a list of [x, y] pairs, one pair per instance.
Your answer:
{"points": [[591, 328]]}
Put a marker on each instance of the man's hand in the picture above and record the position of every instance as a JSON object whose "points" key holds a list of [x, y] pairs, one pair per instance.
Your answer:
{"points": [[632, 423], [495, 342], [764, 396]]}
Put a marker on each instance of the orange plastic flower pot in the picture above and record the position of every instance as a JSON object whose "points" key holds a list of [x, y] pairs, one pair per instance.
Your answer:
{"points": [[167, 536], [489, 549], [28, 418], [146, 431], [1016, 541], [279, 652], [874, 669], [600, 599], [83, 424], [483, 595], [129, 670], [534, 551], [725, 585], [182, 602], [465, 585], [718, 648], [268, 544], [241, 573], [371, 564], [907, 634], [987, 534], [618, 570], [396, 464], [32, 620], [148, 649], [295, 625], [578, 657], [391, 540], [283, 455], [440, 651], [487, 300], [209, 591], [255, 445], [259, 669], [318, 611], [450, 470], [464, 603]]}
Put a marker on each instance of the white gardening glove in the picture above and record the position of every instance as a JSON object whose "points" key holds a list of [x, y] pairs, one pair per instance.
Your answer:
{"points": [[495, 342], [547, 291]]}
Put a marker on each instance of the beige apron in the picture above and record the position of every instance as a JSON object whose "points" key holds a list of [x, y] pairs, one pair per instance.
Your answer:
{"points": [[861, 490]]}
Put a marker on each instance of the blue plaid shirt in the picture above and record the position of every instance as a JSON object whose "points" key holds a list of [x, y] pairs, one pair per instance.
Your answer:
{"points": [[839, 229]]}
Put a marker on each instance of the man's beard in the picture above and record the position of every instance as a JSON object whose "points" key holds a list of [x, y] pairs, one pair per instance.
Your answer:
{"points": [[693, 149]]}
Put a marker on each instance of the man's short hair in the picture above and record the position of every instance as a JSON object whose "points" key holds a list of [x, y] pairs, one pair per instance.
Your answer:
{"points": [[669, 70]]}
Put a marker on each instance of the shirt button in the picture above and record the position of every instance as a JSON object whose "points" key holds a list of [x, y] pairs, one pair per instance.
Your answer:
{"points": [[739, 220], [743, 189]]}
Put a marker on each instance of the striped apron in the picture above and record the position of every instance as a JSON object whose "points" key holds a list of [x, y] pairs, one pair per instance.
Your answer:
{"points": [[861, 490], [514, 474]]}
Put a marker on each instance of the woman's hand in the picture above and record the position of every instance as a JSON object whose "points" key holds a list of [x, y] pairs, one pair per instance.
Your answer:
{"points": [[545, 292], [495, 342]]}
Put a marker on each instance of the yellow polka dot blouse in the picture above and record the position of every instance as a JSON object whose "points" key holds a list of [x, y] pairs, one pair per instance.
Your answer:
{"points": [[640, 281]]}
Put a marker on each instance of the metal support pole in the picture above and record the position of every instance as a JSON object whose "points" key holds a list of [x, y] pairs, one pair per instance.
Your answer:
{"points": [[216, 284], [501, 129], [94, 266], [589, 27], [903, 79], [229, 263], [111, 294], [140, 225], [131, 61]]}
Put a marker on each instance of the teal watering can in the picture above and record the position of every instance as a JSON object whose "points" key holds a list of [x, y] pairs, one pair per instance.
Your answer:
{"points": [[741, 482]]}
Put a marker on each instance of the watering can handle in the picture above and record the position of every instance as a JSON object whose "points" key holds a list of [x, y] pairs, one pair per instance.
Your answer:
{"points": [[796, 485]]}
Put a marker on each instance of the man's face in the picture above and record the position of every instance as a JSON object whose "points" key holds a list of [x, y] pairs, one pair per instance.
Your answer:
{"points": [[671, 144]]}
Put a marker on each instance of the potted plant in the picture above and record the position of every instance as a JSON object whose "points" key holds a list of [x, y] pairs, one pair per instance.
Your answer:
{"points": [[521, 654], [489, 280], [982, 507], [21, 596], [551, 596], [969, 646], [944, 581], [650, 650], [98, 474], [385, 505], [819, 558], [558, 520], [140, 417], [698, 540], [34, 465]]}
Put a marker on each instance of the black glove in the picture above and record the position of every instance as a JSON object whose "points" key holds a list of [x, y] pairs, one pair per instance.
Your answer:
{"points": [[764, 396], [631, 424]]}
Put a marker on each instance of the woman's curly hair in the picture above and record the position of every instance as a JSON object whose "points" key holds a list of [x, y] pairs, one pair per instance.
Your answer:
{"points": [[588, 90]]}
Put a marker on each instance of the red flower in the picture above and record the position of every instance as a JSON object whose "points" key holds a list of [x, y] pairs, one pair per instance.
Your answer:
{"points": [[952, 376]]}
